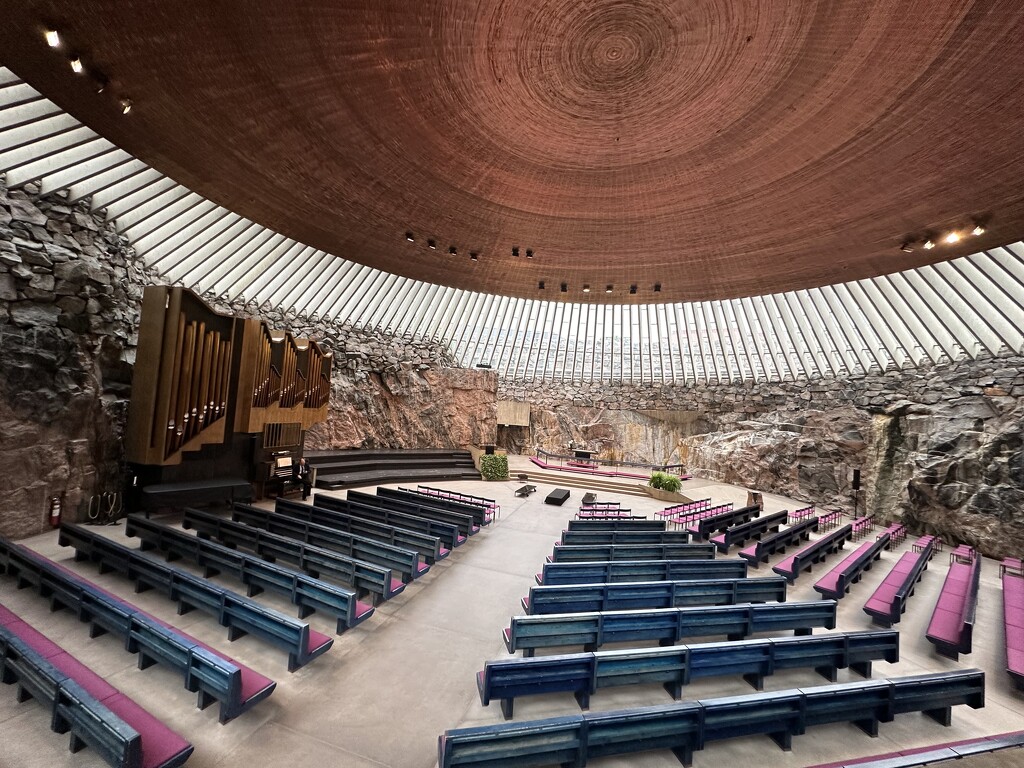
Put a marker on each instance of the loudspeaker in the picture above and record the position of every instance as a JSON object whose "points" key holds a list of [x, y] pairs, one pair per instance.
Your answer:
{"points": [[856, 479], [489, 450]]}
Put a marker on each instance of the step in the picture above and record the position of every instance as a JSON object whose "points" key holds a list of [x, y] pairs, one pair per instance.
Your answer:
{"points": [[568, 479]]}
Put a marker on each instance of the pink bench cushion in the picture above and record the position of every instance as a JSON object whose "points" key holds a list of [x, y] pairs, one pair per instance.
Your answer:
{"points": [[159, 743]]}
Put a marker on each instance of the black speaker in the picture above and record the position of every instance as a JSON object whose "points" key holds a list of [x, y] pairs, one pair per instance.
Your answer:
{"points": [[489, 450], [856, 479]]}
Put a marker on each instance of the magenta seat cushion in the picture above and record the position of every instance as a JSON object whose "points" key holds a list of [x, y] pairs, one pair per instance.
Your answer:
{"points": [[84, 676], [159, 743]]}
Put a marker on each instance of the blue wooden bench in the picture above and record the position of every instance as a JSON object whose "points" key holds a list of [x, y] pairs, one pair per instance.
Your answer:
{"points": [[806, 557], [836, 583], [755, 528], [703, 528], [405, 562], [665, 625], [479, 512], [617, 525], [640, 570], [577, 538], [78, 700], [592, 552], [637, 595], [206, 671], [449, 535], [367, 578], [465, 524], [303, 591], [761, 550], [951, 628], [239, 614], [430, 548], [583, 674], [689, 726], [889, 601]]}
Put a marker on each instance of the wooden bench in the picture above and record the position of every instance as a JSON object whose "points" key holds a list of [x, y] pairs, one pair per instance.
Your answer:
{"points": [[951, 628], [239, 614], [405, 562], [480, 513], [706, 526], [465, 523], [665, 625], [640, 570], [430, 548], [674, 667], [632, 524], [78, 700], [889, 600], [755, 528], [525, 490], [1013, 624], [688, 726], [448, 534], [761, 550], [367, 578], [576, 553], [805, 558], [637, 595], [214, 676], [577, 538], [836, 583], [303, 591]]}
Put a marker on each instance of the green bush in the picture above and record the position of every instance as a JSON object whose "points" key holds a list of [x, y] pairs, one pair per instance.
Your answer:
{"points": [[494, 466], [665, 482]]}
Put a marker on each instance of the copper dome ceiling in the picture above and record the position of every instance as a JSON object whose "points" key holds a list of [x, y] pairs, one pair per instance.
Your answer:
{"points": [[718, 148]]}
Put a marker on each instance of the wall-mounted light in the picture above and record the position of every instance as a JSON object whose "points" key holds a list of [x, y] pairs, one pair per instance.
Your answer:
{"points": [[52, 38], [76, 65], [126, 106]]}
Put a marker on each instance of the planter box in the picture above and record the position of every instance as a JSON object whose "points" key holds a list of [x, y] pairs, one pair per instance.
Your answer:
{"points": [[660, 495]]}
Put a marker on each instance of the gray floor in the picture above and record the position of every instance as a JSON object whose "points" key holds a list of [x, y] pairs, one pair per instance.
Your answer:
{"points": [[384, 692]]}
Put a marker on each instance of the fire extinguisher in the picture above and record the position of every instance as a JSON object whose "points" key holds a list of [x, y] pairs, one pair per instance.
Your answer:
{"points": [[55, 506]]}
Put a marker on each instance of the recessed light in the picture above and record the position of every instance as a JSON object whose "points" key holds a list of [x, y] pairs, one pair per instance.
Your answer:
{"points": [[515, 250], [540, 285], [586, 289], [907, 247], [953, 237], [473, 255], [452, 250], [431, 245], [52, 38], [657, 287], [76, 65], [126, 106], [632, 288], [607, 289], [929, 244], [978, 230], [409, 237], [565, 287], [529, 253]]}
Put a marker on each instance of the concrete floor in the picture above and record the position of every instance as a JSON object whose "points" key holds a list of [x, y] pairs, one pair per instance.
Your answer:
{"points": [[387, 688]]}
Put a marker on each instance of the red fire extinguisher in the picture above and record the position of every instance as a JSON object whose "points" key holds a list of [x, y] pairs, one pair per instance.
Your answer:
{"points": [[55, 506]]}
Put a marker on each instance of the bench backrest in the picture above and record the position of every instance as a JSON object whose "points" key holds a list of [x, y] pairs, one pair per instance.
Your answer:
{"points": [[641, 570]]}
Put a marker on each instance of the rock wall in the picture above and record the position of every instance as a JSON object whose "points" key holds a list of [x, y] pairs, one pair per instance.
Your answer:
{"points": [[938, 446]]}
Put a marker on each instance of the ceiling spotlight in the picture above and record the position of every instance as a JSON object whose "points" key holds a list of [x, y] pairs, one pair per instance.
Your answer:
{"points": [[52, 38], [473, 256], [907, 247], [409, 237], [657, 287], [978, 230], [540, 285], [564, 287], [929, 244], [529, 253], [101, 84], [126, 106], [953, 237], [632, 288], [607, 289], [431, 245], [76, 65], [515, 250], [586, 289], [452, 250]]}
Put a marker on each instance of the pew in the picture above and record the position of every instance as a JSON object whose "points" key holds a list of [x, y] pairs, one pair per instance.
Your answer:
{"points": [[688, 726], [951, 627], [239, 614], [836, 583], [316, 561], [640, 570], [634, 595], [305, 592], [673, 667], [448, 534], [576, 538], [804, 558], [403, 561], [761, 550], [666, 625], [464, 523], [706, 526], [479, 512], [1013, 623], [755, 528], [211, 674], [429, 547], [593, 552], [617, 525], [490, 504], [97, 714], [889, 600]]}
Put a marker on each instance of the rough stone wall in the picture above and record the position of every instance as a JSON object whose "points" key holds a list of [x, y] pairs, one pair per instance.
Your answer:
{"points": [[939, 446]]}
